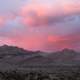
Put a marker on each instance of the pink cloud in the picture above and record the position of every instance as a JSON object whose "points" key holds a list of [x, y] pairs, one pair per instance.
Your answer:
{"points": [[60, 42], [48, 43], [35, 14], [5, 40], [2, 21], [30, 43]]}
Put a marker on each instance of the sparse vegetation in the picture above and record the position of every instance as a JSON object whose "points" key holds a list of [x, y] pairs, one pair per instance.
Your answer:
{"points": [[17, 75]]}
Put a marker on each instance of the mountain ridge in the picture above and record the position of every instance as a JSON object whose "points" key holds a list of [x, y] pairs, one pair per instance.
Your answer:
{"points": [[17, 56]]}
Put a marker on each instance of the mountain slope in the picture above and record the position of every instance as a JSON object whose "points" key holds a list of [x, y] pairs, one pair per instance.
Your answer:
{"points": [[17, 56]]}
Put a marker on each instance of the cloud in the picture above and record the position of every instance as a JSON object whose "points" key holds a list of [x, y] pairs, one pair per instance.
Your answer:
{"points": [[45, 43], [60, 42], [5, 40], [29, 42], [36, 14], [50, 24], [2, 20]]}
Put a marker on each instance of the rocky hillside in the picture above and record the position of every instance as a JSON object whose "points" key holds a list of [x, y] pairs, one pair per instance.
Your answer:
{"points": [[14, 56]]}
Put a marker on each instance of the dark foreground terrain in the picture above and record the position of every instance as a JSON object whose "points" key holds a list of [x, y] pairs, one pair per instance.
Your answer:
{"points": [[16, 75], [64, 73]]}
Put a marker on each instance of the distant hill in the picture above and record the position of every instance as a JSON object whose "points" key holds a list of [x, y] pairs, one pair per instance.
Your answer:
{"points": [[13, 50], [67, 56], [11, 55], [15, 55]]}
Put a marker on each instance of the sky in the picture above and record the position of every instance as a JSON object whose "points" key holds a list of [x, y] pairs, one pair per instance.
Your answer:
{"points": [[46, 25]]}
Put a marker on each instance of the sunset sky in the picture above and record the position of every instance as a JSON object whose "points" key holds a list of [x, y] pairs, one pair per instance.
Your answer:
{"points": [[45, 25]]}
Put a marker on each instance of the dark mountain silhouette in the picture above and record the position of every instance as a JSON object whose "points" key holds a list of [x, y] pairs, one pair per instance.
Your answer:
{"points": [[13, 50], [13, 56], [66, 56]]}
